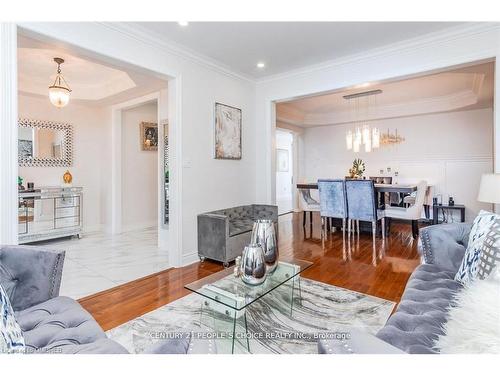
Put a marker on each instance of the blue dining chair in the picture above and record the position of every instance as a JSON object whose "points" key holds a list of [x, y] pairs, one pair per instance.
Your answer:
{"points": [[362, 205], [332, 202]]}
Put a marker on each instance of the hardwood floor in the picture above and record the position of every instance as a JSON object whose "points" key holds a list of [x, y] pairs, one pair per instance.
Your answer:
{"points": [[352, 268]]}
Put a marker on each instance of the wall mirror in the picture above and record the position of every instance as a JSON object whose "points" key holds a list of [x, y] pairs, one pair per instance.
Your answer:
{"points": [[44, 144]]}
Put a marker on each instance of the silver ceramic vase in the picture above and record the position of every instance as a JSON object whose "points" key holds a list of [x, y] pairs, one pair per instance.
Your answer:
{"points": [[264, 234], [253, 265]]}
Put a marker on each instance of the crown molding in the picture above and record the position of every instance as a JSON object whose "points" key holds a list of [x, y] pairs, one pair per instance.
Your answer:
{"points": [[426, 40], [437, 104], [145, 36]]}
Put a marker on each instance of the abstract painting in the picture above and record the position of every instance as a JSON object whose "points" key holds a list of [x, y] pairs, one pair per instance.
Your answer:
{"points": [[227, 132]]}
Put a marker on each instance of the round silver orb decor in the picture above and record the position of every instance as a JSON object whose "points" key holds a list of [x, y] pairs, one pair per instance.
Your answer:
{"points": [[253, 265], [264, 234]]}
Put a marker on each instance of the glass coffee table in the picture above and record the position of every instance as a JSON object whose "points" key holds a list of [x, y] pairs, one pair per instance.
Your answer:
{"points": [[229, 297]]}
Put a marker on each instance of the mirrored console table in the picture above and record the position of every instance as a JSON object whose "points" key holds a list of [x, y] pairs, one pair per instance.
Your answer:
{"points": [[49, 212]]}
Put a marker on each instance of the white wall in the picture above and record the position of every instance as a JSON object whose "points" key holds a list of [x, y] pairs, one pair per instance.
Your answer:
{"points": [[448, 150], [90, 133], [139, 171], [199, 182], [284, 192]]}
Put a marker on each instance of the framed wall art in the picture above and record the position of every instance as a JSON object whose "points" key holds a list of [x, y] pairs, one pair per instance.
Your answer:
{"points": [[227, 132]]}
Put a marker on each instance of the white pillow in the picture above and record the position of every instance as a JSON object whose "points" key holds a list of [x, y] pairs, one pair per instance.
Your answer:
{"points": [[473, 324], [11, 335], [480, 228]]}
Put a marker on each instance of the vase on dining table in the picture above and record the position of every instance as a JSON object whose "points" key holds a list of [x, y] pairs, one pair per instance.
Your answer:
{"points": [[264, 234]]}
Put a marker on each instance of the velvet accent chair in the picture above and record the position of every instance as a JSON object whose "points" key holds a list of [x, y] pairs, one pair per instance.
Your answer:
{"points": [[332, 203], [413, 212], [362, 205], [307, 204]]}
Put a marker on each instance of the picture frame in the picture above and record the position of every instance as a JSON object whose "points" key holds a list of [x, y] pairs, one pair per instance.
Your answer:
{"points": [[282, 160], [27, 151], [149, 136], [227, 132]]}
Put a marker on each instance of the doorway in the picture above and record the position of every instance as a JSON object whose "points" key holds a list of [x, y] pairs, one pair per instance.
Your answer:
{"points": [[284, 171]]}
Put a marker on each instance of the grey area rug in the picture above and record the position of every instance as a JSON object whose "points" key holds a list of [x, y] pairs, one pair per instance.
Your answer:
{"points": [[272, 326]]}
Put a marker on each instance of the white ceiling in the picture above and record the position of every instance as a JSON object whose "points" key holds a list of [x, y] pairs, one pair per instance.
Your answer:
{"points": [[91, 81], [284, 46], [466, 88]]}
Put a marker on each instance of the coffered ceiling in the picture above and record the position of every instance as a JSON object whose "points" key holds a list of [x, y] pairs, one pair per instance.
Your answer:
{"points": [[465, 88]]}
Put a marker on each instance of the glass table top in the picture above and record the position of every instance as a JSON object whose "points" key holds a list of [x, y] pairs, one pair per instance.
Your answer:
{"points": [[223, 287]]}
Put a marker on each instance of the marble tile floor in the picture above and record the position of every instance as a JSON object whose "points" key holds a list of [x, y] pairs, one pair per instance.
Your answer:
{"points": [[100, 261]]}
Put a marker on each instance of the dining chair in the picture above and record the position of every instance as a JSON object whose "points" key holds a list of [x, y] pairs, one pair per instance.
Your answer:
{"points": [[307, 204], [413, 212], [332, 203], [362, 205]]}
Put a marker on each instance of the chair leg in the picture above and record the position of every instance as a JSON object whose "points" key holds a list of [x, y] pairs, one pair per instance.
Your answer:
{"points": [[414, 228], [349, 227], [357, 226], [343, 230], [383, 227], [374, 235], [323, 232], [304, 219], [311, 217]]}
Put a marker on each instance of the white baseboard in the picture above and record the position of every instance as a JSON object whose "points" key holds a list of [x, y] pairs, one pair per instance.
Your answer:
{"points": [[190, 258], [139, 226], [89, 229]]}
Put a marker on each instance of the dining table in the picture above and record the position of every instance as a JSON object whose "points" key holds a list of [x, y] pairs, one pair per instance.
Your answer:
{"points": [[379, 188]]}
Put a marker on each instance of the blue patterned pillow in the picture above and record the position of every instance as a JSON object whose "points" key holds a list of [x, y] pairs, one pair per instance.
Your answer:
{"points": [[11, 335], [483, 222]]}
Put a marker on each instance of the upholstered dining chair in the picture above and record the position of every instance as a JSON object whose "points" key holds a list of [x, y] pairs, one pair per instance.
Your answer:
{"points": [[413, 212], [332, 203], [362, 205], [307, 204]]}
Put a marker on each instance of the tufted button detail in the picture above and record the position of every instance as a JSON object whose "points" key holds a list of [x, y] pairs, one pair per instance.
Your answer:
{"points": [[422, 311]]}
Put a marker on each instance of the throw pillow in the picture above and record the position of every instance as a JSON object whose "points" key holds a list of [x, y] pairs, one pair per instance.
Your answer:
{"points": [[11, 335], [473, 322], [480, 228], [490, 252]]}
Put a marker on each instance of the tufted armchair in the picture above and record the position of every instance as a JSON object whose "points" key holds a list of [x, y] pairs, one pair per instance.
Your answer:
{"points": [[31, 277], [223, 234]]}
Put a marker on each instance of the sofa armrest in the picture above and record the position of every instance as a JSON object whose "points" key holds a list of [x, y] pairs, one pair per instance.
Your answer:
{"points": [[30, 275], [213, 230], [444, 244], [357, 342]]}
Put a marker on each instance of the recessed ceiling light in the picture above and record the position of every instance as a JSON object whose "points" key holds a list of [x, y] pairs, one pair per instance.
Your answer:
{"points": [[260, 65], [183, 23]]}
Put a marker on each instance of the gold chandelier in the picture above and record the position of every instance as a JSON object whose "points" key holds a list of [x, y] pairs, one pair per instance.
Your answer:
{"points": [[59, 91]]}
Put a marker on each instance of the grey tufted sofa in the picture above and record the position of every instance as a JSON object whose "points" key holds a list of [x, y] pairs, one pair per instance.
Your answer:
{"points": [[420, 315], [31, 276], [223, 234]]}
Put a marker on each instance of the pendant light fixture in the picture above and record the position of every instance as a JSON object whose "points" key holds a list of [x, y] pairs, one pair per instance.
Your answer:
{"points": [[59, 91], [362, 134]]}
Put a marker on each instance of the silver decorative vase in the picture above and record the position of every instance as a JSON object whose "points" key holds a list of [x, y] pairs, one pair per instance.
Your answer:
{"points": [[253, 265], [264, 234]]}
